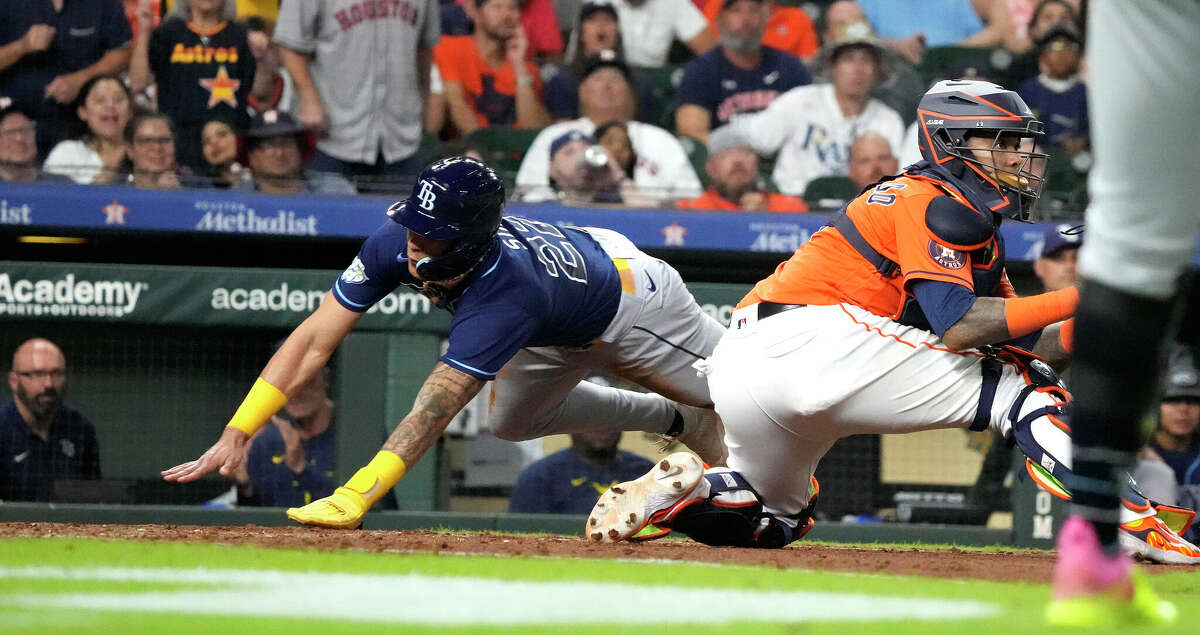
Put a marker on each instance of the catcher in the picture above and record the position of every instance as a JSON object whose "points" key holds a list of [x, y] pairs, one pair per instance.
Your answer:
{"points": [[897, 318]]}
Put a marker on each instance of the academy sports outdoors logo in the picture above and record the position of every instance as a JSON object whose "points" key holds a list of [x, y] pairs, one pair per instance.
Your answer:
{"points": [[947, 257], [68, 297]]}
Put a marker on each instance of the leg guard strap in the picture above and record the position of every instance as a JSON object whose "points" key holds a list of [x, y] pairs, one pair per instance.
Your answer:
{"points": [[733, 516]]}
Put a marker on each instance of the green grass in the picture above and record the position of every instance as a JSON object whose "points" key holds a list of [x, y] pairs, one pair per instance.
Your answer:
{"points": [[1020, 604]]}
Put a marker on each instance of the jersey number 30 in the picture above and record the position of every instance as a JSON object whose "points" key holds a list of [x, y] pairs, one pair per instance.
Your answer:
{"points": [[551, 246]]}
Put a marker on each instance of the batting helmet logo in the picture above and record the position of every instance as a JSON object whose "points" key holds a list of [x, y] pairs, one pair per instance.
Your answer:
{"points": [[947, 257]]}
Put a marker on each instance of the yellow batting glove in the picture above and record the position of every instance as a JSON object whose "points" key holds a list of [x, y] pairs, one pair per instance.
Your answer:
{"points": [[345, 507]]}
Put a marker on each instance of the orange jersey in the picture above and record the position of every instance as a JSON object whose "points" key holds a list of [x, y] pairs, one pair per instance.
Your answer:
{"points": [[490, 92], [710, 199], [892, 220], [789, 29]]}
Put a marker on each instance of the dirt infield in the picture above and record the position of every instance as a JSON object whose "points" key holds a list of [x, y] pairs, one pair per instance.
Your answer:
{"points": [[1006, 566]]}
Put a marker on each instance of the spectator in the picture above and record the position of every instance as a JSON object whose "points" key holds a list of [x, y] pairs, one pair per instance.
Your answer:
{"points": [[597, 31], [151, 143], [1057, 96], [648, 27], [1174, 442], [569, 481], [1055, 264], [273, 88], [789, 29], [277, 147], [662, 167], [900, 86], [219, 147], [871, 159], [614, 136], [105, 106], [738, 76], [911, 26], [292, 463], [42, 438], [18, 149], [583, 173], [487, 79], [48, 55], [362, 78], [812, 127], [200, 62], [1045, 14], [732, 169]]}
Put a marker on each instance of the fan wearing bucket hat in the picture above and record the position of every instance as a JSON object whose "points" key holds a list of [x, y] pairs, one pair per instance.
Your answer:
{"points": [[276, 149], [812, 127], [738, 76]]}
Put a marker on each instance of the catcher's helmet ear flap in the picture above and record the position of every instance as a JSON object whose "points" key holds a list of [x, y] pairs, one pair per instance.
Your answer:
{"points": [[457, 199], [952, 111]]}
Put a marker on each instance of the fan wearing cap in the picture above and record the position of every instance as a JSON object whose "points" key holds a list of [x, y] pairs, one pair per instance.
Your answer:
{"points": [[662, 169], [1055, 264], [276, 148], [596, 31], [738, 76], [736, 184], [1058, 95], [789, 29], [486, 77], [812, 127], [1168, 467], [582, 172]]}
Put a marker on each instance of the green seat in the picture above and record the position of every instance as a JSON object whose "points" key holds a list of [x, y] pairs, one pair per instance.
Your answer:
{"points": [[505, 147], [664, 82], [697, 154], [949, 62], [830, 191]]}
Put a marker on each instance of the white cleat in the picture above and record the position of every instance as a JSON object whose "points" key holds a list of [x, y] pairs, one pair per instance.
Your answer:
{"points": [[625, 509]]}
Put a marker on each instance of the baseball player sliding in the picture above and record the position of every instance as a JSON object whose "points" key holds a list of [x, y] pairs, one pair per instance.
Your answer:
{"points": [[536, 309], [897, 318]]}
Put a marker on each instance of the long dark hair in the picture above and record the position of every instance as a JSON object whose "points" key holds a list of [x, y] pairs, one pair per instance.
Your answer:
{"points": [[82, 131]]}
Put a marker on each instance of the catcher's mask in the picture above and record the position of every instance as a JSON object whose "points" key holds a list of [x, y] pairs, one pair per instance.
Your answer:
{"points": [[1010, 164]]}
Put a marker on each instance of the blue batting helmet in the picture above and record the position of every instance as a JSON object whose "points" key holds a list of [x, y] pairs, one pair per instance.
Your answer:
{"points": [[458, 199], [953, 111]]}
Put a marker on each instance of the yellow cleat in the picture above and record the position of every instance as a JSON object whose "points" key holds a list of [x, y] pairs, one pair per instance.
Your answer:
{"points": [[343, 509], [1097, 611]]}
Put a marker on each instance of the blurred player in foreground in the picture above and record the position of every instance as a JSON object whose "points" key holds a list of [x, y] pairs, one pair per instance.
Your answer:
{"points": [[536, 309], [897, 318], [1142, 225]]}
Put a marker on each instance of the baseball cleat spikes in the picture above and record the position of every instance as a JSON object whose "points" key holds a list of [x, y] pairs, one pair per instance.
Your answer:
{"points": [[625, 509]]}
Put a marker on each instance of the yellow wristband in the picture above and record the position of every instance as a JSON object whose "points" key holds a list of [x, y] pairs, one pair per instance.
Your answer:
{"points": [[379, 476], [260, 403]]}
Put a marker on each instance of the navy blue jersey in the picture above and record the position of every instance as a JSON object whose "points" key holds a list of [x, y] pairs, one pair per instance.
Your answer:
{"points": [[29, 465], [713, 83], [541, 286], [563, 484], [274, 483], [1065, 112]]}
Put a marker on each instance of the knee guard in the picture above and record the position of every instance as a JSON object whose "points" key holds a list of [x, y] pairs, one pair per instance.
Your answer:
{"points": [[733, 516], [1038, 425]]}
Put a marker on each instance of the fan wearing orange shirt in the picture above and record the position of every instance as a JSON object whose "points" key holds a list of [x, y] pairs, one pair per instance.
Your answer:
{"points": [[735, 182], [898, 318], [789, 29], [488, 80]]}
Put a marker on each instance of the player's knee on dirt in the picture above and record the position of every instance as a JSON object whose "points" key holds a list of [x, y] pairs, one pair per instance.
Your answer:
{"points": [[733, 516]]}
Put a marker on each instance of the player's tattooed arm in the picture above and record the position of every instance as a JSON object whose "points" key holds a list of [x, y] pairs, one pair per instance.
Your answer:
{"points": [[1049, 347], [441, 397], [981, 325]]}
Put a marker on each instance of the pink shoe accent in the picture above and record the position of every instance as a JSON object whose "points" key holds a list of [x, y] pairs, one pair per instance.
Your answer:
{"points": [[1083, 568]]}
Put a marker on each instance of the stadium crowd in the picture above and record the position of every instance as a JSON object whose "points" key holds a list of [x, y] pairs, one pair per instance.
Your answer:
{"points": [[750, 105]]}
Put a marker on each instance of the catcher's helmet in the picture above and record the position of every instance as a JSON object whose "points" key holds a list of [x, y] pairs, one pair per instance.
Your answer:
{"points": [[953, 110], [458, 199]]}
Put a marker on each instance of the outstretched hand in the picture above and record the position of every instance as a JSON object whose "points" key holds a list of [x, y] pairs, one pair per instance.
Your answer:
{"points": [[225, 456]]}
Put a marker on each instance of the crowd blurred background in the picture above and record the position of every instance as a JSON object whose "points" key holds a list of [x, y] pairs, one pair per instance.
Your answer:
{"points": [[755, 105]]}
